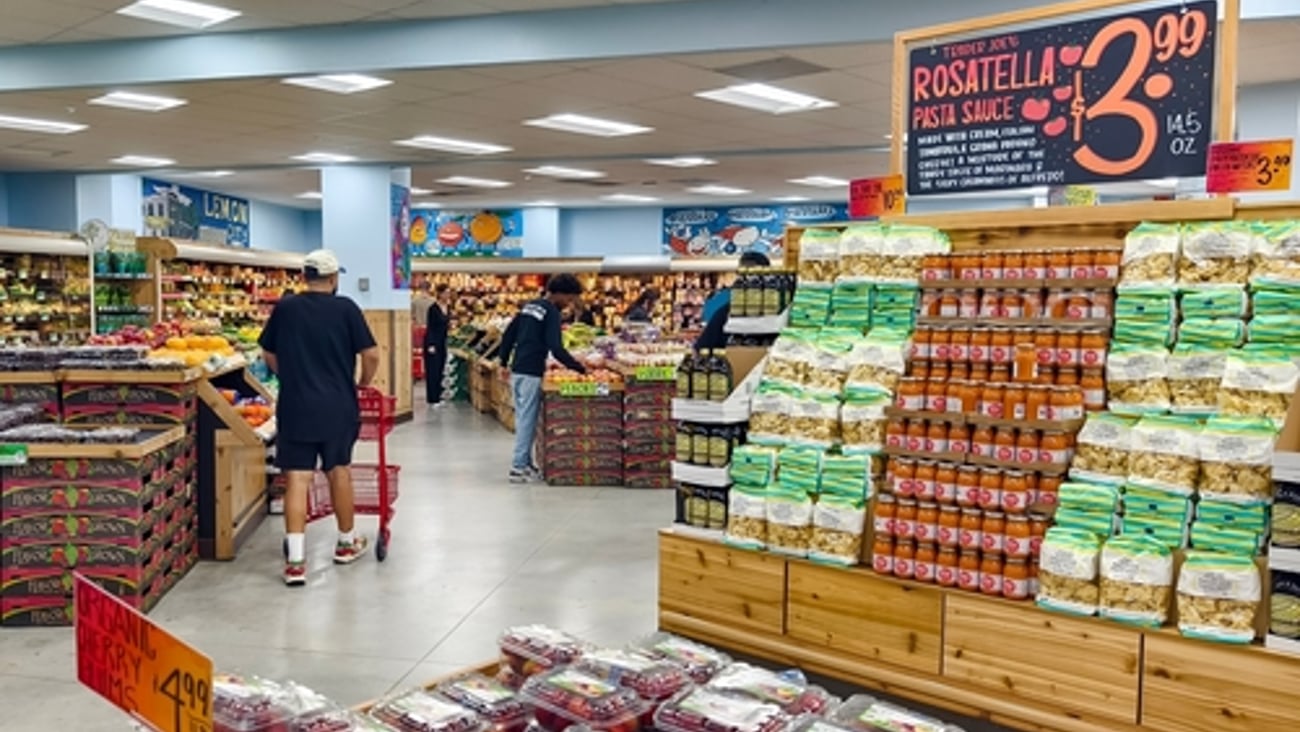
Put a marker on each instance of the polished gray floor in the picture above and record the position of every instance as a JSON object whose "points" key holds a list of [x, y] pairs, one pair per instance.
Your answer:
{"points": [[471, 554]]}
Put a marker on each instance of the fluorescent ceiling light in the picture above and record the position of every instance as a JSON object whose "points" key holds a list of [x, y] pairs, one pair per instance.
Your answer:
{"points": [[683, 161], [324, 158], [716, 190], [417, 191], [338, 83], [184, 13], [448, 144], [790, 199], [29, 124], [139, 102], [143, 161], [820, 181], [766, 98], [425, 204], [213, 174], [472, 182], [559, 171], [628, 198], [583, 125], [310, 195], [541, 204]]}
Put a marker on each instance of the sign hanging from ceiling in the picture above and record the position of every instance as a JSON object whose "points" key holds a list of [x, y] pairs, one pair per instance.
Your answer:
{"points": [[470, 233], [732, 231], [1114, 98], [1249, 166], [875, 197], [180, 212]]}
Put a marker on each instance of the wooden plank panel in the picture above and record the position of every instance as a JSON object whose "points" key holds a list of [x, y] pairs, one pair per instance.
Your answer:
{"points": [[1195, 686], [1080, 668], [403, 386], [858, 614], [714, 582], [381, 326]]}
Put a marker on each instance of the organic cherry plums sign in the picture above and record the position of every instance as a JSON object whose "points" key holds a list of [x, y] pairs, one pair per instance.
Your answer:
{"points": [[1113, 98]]}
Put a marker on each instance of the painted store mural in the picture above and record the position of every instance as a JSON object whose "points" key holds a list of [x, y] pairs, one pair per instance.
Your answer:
{"points": [[175, 211], [475, 233], [731, 231]]}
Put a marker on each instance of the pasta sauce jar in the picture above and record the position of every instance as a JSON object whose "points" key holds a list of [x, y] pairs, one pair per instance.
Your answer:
{"points": [[945, 570], [927, 522], [949, 528], [927, 555], [882, 554], [991, 575], [968, 570]]}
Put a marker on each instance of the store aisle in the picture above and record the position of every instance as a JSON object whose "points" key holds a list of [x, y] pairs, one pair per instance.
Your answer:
{"points": [[471, 554]]}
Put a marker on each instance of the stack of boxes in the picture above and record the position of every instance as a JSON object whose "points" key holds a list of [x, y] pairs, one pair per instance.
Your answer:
{"points": [[648, 433], [582, 439]]}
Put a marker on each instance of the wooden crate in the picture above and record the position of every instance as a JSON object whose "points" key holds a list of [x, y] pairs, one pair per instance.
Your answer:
{"points": [[1195, 686], [403, 372], [241, 493], [856, 613], [712, 582], [1081, 668]]}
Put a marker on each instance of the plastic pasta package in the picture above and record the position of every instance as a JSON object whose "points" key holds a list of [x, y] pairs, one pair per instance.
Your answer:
{"points": [[1137, 578], [1226, 539], [747, 517], [905, 249], [815, 420], [1097, 524], [789, 522], [830, 364], [1158, 504], [1136, 381], [420, 711], [771, 410], [1166, 454], [1273, 330], [811, 305], [819, 255], [566, 697], [1172, 534], [1258, 384], [1089, 498], [838, 524], [845, 475], [1104, 449], [1251, 517], [1277, 254], [531, 649], [791, 358], [1150, 254], [865, 713], [876, 365], [753, 465], [1067, 572], [1236, 456], [253, 704], [652, 679], [707, 710], [1224, 333], [700, 661], [1216, 252], [862, 423], [862, 248], [1218, 597], [791, 695], [488, 698], [1147, 304], [1195, 374]]}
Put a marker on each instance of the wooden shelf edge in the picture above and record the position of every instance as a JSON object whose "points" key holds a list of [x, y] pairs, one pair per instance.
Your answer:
{"points": [[224, 410], [1069, 283], [93, 451], [1117, 213]]}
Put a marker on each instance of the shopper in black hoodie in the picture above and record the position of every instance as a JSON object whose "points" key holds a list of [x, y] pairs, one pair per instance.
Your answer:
{"points": [[533, 335], [437, 327]]}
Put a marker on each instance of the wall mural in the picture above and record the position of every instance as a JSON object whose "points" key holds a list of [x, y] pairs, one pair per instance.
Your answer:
{"points": [[734, 230], [476, 233]]}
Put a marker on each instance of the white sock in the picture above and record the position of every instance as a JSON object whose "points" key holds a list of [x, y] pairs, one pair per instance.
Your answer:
{"points": [[347, 537], [297, 547]]}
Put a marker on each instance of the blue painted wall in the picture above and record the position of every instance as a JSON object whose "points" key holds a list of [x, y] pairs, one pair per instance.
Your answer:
{"points": [[42, 201], [4, 199], [602, 232], [281, 228]]}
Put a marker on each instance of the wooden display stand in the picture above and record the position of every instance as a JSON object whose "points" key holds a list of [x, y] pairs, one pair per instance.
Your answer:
{"points": [[232, 467], [392, 331]]}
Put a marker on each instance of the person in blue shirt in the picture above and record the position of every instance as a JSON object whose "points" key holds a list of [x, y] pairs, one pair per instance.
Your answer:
{"points": [[718, 307]]}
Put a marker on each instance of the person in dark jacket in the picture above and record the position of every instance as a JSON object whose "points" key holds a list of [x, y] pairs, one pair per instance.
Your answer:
{"points": [[437, 326], [718, 308], [642, 310], [533, 335]]}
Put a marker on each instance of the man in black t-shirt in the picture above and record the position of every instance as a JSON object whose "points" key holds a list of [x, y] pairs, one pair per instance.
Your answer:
{"points": [[311, 342]]}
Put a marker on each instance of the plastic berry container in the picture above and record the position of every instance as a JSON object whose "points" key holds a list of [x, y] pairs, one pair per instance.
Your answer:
{"points": [[567, 697], [490, 699], [251, 704], [652, 679], [338, 720], [532, 649], [865, 713], [700, 661], [791, 695], [705, 710], [420, 711]]}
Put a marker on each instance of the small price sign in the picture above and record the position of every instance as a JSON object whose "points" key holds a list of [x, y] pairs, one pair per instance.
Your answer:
{"points": [[139, 667], [584, 389], [1257, 165], [11, 455], [656, 373], [874, 197]]}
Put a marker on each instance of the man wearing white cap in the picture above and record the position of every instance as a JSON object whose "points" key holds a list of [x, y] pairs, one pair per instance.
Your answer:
{"points": [[312, 341]]}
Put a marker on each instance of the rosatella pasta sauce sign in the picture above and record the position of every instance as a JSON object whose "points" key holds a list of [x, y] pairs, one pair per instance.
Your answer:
{"points": [[1105, 99]]}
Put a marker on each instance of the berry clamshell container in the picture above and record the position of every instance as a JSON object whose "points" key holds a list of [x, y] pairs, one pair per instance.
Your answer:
{"points": [[700, 661], [252, 704], [567, 697], [865, 713], [420, 711], [652, 679], [705, 710], [338, 720], [487, 697], [792, 696], [532, 649]]}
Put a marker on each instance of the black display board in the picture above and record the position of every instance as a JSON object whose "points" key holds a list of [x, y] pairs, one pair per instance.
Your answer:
{"points": [[1120, 97]]}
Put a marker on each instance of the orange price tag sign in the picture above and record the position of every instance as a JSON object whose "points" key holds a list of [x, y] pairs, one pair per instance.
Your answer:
{"points": [[139, 667], [871, 197], [1257, 165]]}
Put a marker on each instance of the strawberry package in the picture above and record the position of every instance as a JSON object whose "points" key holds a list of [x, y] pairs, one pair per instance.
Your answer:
{"points": [[420, 711], [792, 695], [652, 679], [865, 713], [251, 704], [567, 697], [490, 699], [700, 661], [531, 649], [705, 710]]}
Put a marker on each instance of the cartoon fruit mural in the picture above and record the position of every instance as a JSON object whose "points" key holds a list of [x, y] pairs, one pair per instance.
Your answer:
{"points": [[419, 231], [450, 234], [486, 228]]}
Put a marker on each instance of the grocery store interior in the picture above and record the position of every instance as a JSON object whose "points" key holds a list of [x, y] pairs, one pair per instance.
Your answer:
{"points": [[933, 370]]}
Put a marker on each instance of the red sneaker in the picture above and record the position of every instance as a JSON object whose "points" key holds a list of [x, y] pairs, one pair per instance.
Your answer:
{"points": [[349, 552], [295, 574]]}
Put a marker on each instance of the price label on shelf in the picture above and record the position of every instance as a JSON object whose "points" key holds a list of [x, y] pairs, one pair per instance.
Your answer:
{"points": [[139, 667], [656, 373], [584, 389], [874, 197], [1256, 165]]}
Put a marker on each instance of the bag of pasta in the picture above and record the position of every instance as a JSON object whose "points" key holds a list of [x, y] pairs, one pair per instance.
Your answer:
{"points": [[863, 420], [1223, 333], [838, 525], [1137, 578], [904, 251], [1258, 384], [1281, 298], [1195, 373], [1277, 254], [830, 361], [862, 248], [753, 465], [811, 306], [815, 420], [851, 305], [1104, 449], [1166, 454], [1067, 572], [819, 255], [877, 363], [1273, 330], [791, 357], [1216, 253], [1214, 301], [1136, 380], [1150, 253], [789, 522], [1236, 456], [1218, 597], [747, 517], [771, 412]]}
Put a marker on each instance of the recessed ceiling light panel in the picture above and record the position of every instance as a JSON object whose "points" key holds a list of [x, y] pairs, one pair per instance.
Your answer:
{"points": [[324, 158], [472, 182], [452, 145], [138, 102], [425, 204], [581, 124], [541, 204], [683, 161], [310, 195], [184, 13], [717, 190], [560, 171], [142, 161], [213, 174], [791, 199], [628, 198], [30, 124], [820, 181], [417, 191], [339, 83], [766, 98]]}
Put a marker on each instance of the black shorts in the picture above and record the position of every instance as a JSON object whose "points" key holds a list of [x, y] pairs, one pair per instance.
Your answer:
{"points": [[325, 455]]}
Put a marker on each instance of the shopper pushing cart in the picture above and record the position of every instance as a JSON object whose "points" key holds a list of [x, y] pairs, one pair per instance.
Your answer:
{"points": [[312, 342]]}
